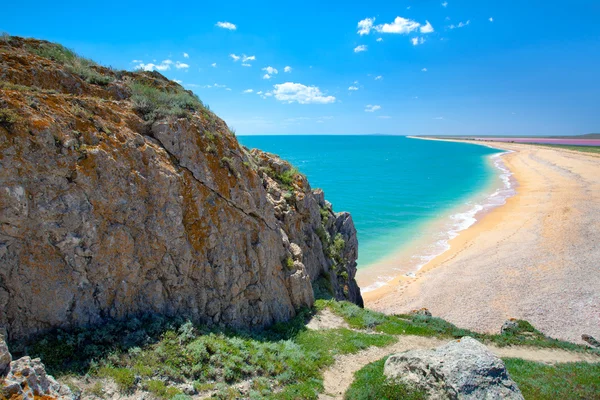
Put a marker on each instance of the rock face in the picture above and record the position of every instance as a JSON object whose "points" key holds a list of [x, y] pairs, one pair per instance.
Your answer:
{"points": [[462, 369], [26, 379], [107, 211]]}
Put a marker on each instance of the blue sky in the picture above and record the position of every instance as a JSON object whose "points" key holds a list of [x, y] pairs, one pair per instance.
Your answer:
{"points": [[427, 67]]}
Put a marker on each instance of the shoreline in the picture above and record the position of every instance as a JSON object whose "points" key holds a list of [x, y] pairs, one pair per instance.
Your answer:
{"points": [[448, 228], [405, 279], [533, 258]]}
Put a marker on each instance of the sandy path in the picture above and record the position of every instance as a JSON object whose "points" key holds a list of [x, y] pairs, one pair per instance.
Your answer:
{"points": [[338, 378], [536, 258]]}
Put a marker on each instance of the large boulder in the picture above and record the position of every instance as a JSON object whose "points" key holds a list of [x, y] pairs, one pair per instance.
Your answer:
{"points": [[27, 379], [461, 369]]}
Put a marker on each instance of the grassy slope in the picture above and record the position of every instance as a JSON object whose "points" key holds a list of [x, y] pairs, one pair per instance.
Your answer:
{"points": [[284, 362], [155, 355]]}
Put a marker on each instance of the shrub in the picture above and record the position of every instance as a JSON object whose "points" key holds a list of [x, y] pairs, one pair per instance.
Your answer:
{"points": [[123, 377], [160, 390], [289, 263], [154, 103], [8, 117]]}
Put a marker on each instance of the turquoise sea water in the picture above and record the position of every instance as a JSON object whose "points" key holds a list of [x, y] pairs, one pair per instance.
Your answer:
{"points": [[394, 187]]}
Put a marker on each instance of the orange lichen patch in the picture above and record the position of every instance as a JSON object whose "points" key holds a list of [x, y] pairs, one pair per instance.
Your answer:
{"points": [[197, 228]]}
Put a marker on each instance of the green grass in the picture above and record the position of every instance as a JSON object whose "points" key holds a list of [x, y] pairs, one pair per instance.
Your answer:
{"points": [[359, 318], [153, 354], [539, 381], [370, 384], [154, 103], [74, 63]]}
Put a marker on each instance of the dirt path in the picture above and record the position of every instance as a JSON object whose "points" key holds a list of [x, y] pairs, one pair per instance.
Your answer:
{"points": [[340, 376]]}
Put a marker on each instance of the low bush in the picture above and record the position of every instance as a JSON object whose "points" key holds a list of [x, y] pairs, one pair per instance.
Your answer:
{"points": [[154, 103], [8, 117], [74, 63]]}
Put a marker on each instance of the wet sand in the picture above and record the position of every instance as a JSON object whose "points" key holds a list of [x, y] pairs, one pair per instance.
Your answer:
{"points": [[535, 258]]}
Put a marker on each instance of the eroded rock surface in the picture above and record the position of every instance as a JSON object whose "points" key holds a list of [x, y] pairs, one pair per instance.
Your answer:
{"points": [[27, 379], [462, 369], [106, 213]]}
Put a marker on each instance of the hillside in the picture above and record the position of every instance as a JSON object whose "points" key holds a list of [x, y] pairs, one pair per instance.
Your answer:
{"points": [[123, 195]]}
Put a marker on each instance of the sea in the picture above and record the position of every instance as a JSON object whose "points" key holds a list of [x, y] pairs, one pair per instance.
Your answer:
{"points": [[408, 197]]}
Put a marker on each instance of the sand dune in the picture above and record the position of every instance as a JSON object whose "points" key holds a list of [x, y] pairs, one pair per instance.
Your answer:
{"points": [[535, 258]]}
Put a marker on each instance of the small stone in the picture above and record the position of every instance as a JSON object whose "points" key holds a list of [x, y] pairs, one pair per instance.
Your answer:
{"points": [[424, 312], [590, 340], [510, 325]]}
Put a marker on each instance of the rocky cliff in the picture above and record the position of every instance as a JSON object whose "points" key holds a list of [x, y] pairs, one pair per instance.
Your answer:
{"points": [[122, 194]]}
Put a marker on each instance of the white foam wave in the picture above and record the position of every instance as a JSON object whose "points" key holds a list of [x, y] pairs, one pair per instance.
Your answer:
{"points": [[459, 222]]}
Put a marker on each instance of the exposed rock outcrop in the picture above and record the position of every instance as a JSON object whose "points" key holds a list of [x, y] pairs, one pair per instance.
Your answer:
{"points": [[461, 369], [27, 379], [121, 194]]}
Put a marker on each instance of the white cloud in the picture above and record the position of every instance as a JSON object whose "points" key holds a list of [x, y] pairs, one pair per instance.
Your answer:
{"points": [[365, 26], [266, 76], [163, 66], [214, 65], [259, 92], [246, 58], [180, 65], [228, 89], [177, 81], [378, 77], [439, 118], [137, 61], [296, 92], [460, 25], [248, 91], [417, 40], [424, 70], [445, 4], [400, 25], [235, 58], [427, 28], [360, 48], [352, 88], [270, 70], [370, 108], [246, 65], [216, 85], [491, 19], [186, 55], [227, 25], [287, 69]]}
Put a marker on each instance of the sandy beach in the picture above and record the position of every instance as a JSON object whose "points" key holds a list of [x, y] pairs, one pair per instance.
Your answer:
{"points": [[535, 258]]}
